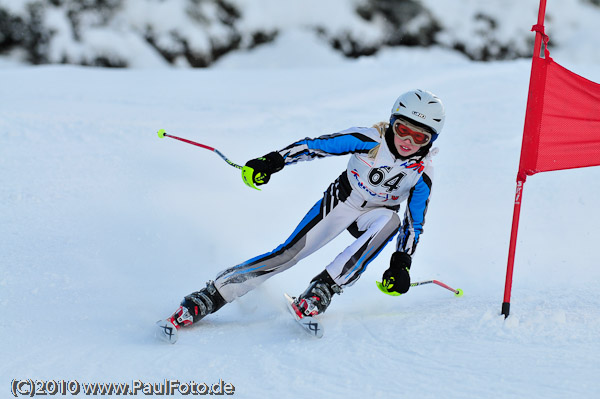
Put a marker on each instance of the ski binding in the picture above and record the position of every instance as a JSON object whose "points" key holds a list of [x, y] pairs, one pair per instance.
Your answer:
{"points": [[308, 324]]}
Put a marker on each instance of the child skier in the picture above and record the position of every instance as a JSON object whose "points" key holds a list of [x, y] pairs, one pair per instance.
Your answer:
{"points": [[390, 164]]}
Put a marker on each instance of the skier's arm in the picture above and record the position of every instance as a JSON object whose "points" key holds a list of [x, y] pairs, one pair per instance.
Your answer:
{"points": [[414, 217], [396, 279], [353, 140], [358, 139]]}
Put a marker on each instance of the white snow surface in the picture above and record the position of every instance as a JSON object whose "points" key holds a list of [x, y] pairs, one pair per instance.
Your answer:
{"points": [[105, 227]]}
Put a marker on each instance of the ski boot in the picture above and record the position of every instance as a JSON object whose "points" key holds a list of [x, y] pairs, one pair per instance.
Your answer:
{"points": [[317, 296], [193, 308]]}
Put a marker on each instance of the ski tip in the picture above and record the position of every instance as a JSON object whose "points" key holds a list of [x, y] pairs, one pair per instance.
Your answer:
{"points": [[161, 133], [312, 327], [166, 331], [458, 293]]}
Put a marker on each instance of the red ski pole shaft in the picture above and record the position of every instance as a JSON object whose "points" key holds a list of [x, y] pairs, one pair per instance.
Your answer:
{"points": [[162, 133]]}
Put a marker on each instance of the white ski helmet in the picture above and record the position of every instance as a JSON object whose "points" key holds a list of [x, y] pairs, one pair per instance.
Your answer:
{"points": [[423, 107]]}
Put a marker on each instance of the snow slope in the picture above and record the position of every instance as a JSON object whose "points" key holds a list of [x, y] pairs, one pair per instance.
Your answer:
{"points": [[105, 227]]}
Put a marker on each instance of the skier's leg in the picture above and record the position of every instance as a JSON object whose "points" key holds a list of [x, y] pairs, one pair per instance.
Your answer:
{"points": [[326, 220], [376, 229], [373, 229]]}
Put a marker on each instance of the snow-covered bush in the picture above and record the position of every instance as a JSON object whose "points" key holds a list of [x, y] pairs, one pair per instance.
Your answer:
{"points": [[149, 33]]}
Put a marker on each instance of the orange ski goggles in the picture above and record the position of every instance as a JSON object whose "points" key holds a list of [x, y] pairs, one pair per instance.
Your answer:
{"points": [[406, 130]]}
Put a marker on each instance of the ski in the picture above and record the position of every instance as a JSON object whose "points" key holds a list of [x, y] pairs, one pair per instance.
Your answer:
{"points": [[167, 331], [310, 325]]}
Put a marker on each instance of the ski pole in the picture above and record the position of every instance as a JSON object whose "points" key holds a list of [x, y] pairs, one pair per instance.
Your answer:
{"points": [[457, 292], [162, 133]]}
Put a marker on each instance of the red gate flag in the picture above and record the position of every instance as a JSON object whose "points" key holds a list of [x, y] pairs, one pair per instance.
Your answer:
{"points": [[562, 128]]}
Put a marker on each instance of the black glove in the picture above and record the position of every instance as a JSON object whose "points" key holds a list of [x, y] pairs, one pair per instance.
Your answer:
{"points": [[258, 171], [396, 278]]}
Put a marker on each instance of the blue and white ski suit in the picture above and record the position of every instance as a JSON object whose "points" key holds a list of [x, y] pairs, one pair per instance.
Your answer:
{"points": [[364, 200]]}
